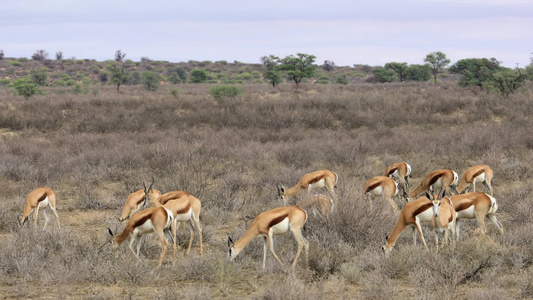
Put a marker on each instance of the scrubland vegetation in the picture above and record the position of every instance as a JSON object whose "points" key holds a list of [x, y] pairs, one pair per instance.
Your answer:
{"points": [[93, 149]]}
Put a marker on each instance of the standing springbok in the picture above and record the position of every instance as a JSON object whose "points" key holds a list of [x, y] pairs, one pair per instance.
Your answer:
{"points": [[479, 173], [41, 197], [445, 218]]}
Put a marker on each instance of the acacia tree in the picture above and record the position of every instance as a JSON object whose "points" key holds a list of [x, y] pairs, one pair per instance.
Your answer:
{"points": [[298, 67], [271, 69], [437, 61], [119, 56], [40, 55], [475, 72], [328, 65], [399, 68], [59, 58], [418, 73], [488, 75], [117, 74]]}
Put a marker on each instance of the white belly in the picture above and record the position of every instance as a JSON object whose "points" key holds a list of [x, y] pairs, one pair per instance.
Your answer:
{"points": [[184, 217], [394, 174], [480, 178], [280, 228], [437, 184], [377, 192], [319, 184], [145, 228], [44, 203], [468, 213], [426, 215]]}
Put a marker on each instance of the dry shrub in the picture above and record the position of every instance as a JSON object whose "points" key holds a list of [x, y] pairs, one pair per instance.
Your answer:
{"points": [[97, 148], [377, 286], [291, 287], [491, 293]]}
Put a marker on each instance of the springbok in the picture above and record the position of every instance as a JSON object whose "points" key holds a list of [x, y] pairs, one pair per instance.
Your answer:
{"points": [[41, 197], [270, 223], [479, 173]]}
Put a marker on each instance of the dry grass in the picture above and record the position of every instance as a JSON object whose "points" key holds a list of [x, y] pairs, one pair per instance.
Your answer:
{"points": [[94, 149]]}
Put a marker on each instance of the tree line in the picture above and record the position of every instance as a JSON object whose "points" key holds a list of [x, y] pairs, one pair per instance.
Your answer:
{"points": [[477, 74]]}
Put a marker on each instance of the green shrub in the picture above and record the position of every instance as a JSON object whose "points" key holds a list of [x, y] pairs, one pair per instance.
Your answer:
{"points": [[246, 76], [198, 76], [174, 78], [5, 81], [71, 82], [59, 83], [150, 80], [15, 63], [224, 91], [323, 79], [77, 89], [358, 74], [341, 79], [26, 88]]}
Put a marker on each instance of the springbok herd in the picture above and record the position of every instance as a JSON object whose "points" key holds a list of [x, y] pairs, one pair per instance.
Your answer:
{"points": [[440, 199]]}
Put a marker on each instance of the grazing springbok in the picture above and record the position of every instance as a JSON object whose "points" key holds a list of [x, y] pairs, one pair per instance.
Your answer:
{"points": [[154, 219], [445, 179], [479, 173], [135, 202], [415, 213], [401, 172], [381, 186], [41, 197], [477, 206], [318, 205], [318, 179], [277, 221], [186, 209]]}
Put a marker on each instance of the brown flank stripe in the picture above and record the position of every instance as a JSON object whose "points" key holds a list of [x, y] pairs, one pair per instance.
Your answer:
{"points": [[41, 198], [142, 220], [392, 171], [184, 210], [375, 185], [464, 205], [434, 179], [277, 220], [422, 208], [315, 180], [477, 173]]}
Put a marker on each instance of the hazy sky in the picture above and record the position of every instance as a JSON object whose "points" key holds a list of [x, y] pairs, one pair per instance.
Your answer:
{"points": [[346, 32]]}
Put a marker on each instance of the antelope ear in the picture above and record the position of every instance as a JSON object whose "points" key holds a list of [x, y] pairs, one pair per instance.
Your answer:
{"points": [[230, 241], [151, 184], [110, 232]]}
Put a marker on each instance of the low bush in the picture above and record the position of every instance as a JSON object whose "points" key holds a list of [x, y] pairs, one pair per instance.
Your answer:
{"points": [[222, 91]]}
